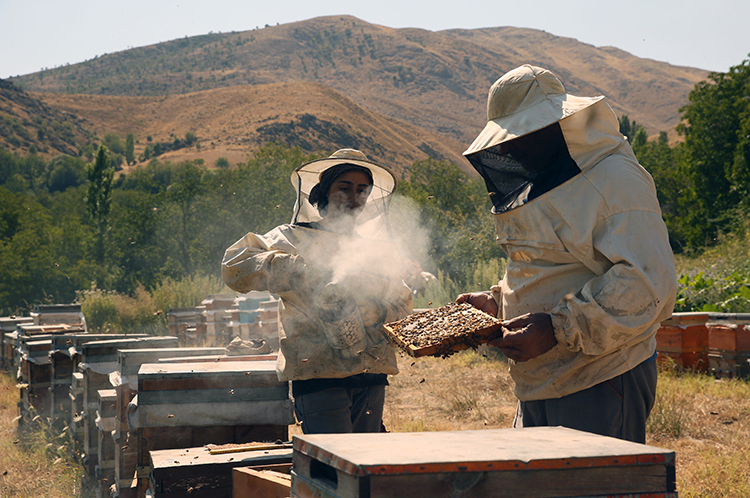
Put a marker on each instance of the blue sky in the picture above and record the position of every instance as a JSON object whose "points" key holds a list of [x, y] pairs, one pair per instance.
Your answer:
{"points": [[36, 34]]}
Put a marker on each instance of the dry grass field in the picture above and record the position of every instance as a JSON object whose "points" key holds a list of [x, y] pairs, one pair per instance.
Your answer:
{"points": [[704, 420]]}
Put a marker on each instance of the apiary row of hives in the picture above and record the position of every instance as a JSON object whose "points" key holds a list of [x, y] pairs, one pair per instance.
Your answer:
{"points": [[123, 396], [156, 419]]}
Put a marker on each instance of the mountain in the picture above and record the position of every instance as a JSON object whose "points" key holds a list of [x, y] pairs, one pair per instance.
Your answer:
{"points": [[27, 123], [434, 80], [433, 84], [230, 122]]}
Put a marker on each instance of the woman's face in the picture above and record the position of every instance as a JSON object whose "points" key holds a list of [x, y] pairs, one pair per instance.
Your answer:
{"points": [[348, 193]]}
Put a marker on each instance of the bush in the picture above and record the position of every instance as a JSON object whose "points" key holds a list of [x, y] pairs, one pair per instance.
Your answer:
{"points": [[144, 312]]}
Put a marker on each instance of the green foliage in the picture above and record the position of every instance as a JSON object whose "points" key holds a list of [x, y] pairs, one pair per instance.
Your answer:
{"points": [[65, 172], [718, 279], [717, 152], [99, 197], [635, 132], [130, 148], [113, 143], [156, 149], [455, 211], [144, 311]]}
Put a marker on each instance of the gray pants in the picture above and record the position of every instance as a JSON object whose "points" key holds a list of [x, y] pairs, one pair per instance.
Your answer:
{"points": [[618, 407], [341, 410]]}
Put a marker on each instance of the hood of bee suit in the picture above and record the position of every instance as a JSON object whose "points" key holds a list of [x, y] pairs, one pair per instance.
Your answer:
{"points": [[372, 222], [524, 101]]}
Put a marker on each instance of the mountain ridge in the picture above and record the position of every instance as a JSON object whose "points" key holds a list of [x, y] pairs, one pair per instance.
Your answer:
{"points": [[435, 80]]}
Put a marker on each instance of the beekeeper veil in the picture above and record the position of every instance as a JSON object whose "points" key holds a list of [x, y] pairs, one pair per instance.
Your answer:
{"points": [[523, 101], [372, 221]]}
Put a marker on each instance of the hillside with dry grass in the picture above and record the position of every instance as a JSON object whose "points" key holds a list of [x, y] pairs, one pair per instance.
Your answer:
{"points": [[434, 80], [230, 122], [27, 123]]}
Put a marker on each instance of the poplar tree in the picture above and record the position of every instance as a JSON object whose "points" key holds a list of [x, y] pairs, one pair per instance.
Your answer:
{"points": [[99, 197], [130, 149]]}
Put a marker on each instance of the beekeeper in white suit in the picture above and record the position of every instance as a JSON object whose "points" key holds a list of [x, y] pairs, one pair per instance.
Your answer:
{"points": [[339, 281], [590, 271]]}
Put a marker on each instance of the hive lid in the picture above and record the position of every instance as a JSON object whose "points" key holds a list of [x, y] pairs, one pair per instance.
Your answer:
{"points": [[533, 448]]}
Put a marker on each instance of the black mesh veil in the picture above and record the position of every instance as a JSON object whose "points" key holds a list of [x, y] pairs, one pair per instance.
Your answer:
{"points": [[511, 185], [508, 183]]}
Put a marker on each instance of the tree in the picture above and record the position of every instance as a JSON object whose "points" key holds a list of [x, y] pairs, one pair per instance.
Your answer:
{"points": [[633, 131], [455, 209], [113, 143], [717, 150], [99, 198], [130, 149], [65, 171]]}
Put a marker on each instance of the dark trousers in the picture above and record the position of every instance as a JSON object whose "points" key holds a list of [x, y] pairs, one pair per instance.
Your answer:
{"points": [[618, 407], [341, 410]]}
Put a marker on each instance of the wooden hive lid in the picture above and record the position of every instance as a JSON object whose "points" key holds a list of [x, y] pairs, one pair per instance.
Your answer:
{"points": [[537, 448]]}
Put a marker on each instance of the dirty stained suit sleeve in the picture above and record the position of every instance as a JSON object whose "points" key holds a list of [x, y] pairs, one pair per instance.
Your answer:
{"points": [[638, 290], [261, 263]]}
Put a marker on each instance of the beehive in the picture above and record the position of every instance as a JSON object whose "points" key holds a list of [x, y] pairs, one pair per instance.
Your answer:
{"points": [[182, 405], [125, 381], [684, 339], [99, 359], [529, 463], [8, 326], [729, 344], [196, 473]]}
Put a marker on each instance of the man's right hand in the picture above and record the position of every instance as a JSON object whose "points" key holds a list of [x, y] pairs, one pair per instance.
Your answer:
{"points": [[482, 301]]}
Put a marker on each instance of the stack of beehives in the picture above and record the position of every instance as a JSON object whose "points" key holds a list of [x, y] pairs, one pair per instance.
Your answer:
{"points": [[718, 343], [125, 383], [34, 343], [221, 318], [9, 339], [86, 381], [729, 344]]}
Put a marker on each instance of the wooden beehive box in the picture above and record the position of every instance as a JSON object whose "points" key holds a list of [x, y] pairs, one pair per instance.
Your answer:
{"points": [[729, 332], [99, 359], [266, 481], [684, 339], [10, 349], [8, 326], [105, 423], [181, 405], [729, 344], [34, 360], [129, 361], [57, 314], [530, 463], [125, 382], [196, 473], [212, 393]]}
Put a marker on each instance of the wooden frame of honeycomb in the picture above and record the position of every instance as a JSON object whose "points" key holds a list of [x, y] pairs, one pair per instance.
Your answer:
{"points": [[443, 331]]}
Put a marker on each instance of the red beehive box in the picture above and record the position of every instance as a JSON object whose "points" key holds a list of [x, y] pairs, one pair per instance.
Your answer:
{"points": [[684, 339], [729, 337]]}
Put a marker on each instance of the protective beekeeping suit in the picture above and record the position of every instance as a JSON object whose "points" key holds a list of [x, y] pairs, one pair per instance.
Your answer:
{"points": [[590, 271], [339, 281]]}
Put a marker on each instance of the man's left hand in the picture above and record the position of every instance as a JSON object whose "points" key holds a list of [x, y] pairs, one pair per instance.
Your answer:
{"points": [[527, 336]]}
